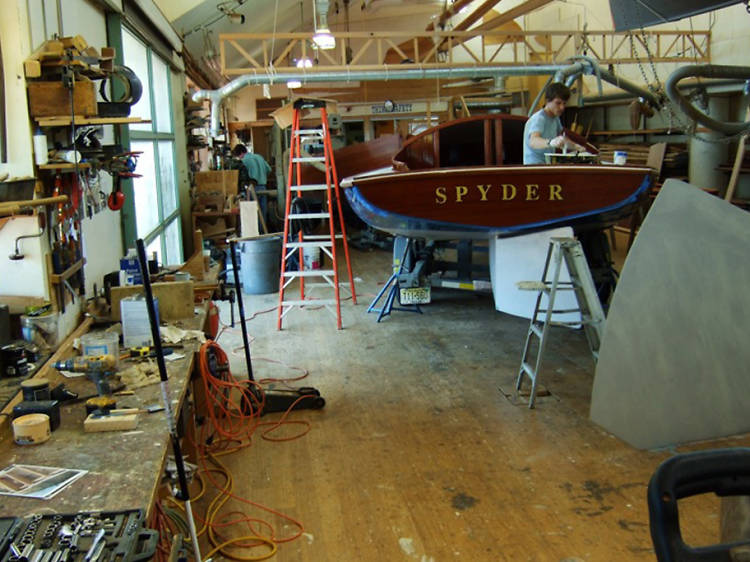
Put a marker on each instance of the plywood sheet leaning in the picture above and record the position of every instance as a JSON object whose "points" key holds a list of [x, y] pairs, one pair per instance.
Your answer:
{"points": [[249, 215], [175, 299], [673, 362]]}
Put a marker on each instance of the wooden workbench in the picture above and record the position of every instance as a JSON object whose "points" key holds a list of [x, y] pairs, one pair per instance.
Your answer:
{"points": [[124, 467]]}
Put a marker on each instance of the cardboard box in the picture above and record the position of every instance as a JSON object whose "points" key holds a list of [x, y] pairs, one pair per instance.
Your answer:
{"points": [[48, 99], [130, 271], [284, 116]]}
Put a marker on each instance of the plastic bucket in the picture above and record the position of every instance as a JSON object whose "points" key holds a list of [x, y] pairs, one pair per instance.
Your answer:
{"points": [[260, 265], [311, 258]]}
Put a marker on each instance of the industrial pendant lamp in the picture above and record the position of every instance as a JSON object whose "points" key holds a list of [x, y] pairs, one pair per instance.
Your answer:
{"points": [[322, 38]]}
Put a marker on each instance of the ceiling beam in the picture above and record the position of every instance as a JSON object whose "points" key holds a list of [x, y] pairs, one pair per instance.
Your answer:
{"points": [[518, 11], [394, 56], [449, 12], [476, 15]]}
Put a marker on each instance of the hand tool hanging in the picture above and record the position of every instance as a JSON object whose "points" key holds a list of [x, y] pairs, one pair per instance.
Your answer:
{"points": [[74, 206], [179, 460], [58, 232], [69, 81], [121, 166]]}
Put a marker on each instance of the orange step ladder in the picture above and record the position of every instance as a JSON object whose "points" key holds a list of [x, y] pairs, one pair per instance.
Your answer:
{"points": [[295, 242]]}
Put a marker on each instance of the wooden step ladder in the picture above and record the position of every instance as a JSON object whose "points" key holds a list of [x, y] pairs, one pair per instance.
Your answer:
{"points": [[581, 282], [295, 241]]}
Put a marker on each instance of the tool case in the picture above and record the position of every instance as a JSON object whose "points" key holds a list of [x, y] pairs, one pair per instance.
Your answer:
{"points": [[8, 528], [99, 536]]}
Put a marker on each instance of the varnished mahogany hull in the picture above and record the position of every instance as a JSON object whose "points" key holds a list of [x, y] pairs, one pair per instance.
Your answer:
{"points": [[485, 201]]}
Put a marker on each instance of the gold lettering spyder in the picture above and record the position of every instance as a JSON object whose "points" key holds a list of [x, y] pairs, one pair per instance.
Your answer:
{"points": [[504, 192]]}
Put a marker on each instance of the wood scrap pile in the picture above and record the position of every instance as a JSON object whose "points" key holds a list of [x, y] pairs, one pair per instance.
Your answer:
{"points": [[67, 67], [54, 54], [140, 375], [675, 158]]}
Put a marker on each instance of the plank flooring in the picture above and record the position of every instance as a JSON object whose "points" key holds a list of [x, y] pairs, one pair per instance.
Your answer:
{"points": [[420, 455]]}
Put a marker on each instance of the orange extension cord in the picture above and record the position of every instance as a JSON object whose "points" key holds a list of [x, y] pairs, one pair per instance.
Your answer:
{"points": [[233, 408]]}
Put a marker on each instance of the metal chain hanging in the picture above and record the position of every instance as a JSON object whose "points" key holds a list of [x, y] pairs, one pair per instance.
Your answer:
{"points": [[673, 115]]}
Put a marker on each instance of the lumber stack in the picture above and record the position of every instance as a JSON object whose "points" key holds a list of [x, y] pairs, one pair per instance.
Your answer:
{"points": [[675, 157], [47, 61]]}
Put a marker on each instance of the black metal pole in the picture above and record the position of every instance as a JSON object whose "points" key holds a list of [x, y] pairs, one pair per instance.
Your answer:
{"points": [[241, 308], [176, 448]]}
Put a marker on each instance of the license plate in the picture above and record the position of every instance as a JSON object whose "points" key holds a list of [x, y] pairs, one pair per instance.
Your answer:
{"points": [[415, 295]]}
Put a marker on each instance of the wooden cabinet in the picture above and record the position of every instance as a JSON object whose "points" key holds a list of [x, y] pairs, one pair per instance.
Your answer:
{"points": [[216, 226]]}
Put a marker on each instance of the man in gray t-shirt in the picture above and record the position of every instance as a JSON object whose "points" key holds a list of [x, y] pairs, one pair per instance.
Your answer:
{"points": [[542, 132]]}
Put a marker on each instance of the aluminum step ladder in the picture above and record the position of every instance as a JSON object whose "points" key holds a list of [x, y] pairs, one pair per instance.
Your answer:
{"points": [[295, 242], [581, 282]]}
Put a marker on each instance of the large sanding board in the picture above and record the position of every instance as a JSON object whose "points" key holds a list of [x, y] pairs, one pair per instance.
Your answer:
{"points": [[674, 359], [522, 258]]}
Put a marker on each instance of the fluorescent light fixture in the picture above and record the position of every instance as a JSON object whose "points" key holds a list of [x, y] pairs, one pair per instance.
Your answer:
{"points": [[304, 62], [323, 39]]}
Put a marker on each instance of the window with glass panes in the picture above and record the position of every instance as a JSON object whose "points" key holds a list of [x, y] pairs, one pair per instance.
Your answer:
{"points": [[157, 211]]}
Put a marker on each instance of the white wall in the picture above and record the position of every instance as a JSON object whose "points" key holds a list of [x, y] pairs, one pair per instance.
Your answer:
{"points": [[102, 234], [26, 277], [241, 106], [15, 47], [21, 34]]}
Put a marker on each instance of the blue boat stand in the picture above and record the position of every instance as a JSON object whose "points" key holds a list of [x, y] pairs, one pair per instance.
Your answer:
{"points": [[393, 293]]}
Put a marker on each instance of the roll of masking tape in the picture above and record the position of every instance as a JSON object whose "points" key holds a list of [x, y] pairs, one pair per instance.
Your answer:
{"points": [[31, 429]]}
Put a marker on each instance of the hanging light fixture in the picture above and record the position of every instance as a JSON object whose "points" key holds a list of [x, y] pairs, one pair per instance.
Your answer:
{"points": [[303, 63], [322, 38], [229, 9]]}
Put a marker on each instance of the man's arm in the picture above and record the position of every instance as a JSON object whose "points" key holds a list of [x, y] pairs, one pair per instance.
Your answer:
{"points": [[538, 142]]}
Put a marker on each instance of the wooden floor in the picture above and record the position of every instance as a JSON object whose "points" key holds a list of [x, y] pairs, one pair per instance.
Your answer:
{"points": [[420, 454]]}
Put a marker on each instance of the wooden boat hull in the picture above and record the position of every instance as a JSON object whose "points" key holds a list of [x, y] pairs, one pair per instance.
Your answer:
{"points": [[487, 201]]}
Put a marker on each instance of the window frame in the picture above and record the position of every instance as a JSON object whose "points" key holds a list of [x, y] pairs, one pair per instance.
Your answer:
{"points": [[130, 135]]}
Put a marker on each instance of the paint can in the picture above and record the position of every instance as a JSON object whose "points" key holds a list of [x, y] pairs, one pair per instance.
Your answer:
{"points": [[621, 157], [31, 429], [311, 258], [13, 360]]}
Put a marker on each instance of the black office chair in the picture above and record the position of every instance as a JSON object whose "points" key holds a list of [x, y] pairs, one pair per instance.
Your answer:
{"points": [[725, 472]]}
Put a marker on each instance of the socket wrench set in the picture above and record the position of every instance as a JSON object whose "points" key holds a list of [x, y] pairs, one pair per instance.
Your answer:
{"points": [[81, 537]]}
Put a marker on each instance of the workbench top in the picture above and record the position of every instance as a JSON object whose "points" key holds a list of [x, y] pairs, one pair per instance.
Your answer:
{"points": [[124, 467]]}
